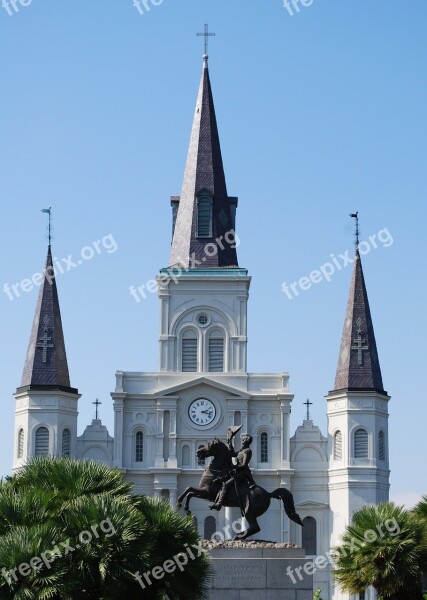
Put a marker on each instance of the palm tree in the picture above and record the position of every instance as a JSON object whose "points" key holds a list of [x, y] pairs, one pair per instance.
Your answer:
{"points": [[93, 534], [175, 535], [383, 548], [420, 514]]}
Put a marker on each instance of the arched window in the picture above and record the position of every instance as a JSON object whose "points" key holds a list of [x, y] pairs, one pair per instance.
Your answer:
{"points": [[165, 495], [189, 352], [361, 443], [186, 462], [21, 443], [216, 352], [201, 461], [42, 441], [309, 536], [338, 445], [139, 446], [381, 446], [263, 447], [209, 528], [66, 442], [204, 216]]}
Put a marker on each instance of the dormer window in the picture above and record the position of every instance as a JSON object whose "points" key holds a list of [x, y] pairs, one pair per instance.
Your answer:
{"points": [[204, 216]]}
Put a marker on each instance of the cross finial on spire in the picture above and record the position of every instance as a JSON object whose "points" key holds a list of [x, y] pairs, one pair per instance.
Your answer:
{"points": [[308, 404], [97, 404], [206, 35], [357, 231], [49, 225]]}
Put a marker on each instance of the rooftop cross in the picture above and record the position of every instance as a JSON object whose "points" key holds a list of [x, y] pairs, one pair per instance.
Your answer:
{"points": [[97, 404], [44, 343], [357, 232], [206, 35], [308, 404], [49, 212]]}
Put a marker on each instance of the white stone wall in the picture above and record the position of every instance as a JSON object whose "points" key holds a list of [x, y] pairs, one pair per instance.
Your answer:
{"points": [[51, 409], [222, 297], [355, 482]]}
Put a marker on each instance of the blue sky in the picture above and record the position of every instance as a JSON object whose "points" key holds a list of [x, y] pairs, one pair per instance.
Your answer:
{"points": [[320, 114]]}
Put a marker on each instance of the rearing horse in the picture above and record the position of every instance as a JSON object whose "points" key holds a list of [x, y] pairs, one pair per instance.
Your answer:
{"points": [[255, 502]]}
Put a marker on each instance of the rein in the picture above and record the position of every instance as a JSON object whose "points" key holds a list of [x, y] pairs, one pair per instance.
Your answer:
{"points": [[215, 471]]}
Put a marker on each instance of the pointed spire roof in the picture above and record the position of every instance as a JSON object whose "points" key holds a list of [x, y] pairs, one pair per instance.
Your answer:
{"points": [[204, 176], [358, 364], [46, 365]]}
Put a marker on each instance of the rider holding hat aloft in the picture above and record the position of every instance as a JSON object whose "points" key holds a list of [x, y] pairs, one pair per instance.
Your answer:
{"points": [[241, 472]]}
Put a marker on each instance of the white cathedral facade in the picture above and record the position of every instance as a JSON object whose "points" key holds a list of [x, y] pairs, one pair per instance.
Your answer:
{"points": [[202, 386]]}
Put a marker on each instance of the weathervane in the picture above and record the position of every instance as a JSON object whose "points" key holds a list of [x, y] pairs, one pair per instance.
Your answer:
{"points": [[308, 404], [97, 404], [357, 232], [206, 35], [49, 226]]}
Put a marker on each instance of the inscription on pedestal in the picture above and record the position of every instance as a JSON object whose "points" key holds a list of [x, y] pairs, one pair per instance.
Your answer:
{"points": [[232, 573]]}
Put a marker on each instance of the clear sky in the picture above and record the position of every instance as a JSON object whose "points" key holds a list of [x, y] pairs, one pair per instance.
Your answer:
{"points": [[321, 113]]}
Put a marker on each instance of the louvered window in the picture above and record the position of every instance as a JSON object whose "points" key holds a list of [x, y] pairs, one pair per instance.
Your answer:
{"points": [[381, 446], [66, 442], [338, 445], [204, 217], [21, 443], [216, 354], [189, 354], [42, 441], [361, 444], [264, 447], [139, 446]]}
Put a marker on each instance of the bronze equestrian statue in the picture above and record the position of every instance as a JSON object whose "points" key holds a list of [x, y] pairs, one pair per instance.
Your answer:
{"points": [[238, 475], [226, 484]]}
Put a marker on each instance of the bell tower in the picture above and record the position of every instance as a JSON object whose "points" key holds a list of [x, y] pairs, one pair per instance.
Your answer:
{"points": [[46, 404], [357, 410], [203, 292]]}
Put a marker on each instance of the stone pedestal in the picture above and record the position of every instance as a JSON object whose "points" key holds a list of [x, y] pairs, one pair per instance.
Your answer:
{"points": [[259, 571]]}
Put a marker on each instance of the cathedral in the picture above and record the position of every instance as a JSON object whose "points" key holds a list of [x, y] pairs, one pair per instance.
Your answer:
{"points": [[202, 385]]}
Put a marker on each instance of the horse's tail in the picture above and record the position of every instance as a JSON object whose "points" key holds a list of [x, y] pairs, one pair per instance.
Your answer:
{"points": [[288, 502]]}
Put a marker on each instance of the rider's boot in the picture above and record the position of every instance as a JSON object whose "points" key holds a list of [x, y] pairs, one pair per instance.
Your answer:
{"points": [[220, 499]]}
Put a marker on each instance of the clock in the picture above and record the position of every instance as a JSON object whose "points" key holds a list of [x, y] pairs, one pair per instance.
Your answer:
{"points": [[202, 411]]}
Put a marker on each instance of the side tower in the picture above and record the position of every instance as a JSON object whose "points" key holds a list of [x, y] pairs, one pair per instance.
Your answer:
{"points": [[203, 293], [357, 411], [46, 404]]}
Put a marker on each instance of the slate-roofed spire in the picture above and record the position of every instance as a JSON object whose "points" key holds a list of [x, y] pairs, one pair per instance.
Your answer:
{"points": [[46, 365], [204, 182], [358, 364]]}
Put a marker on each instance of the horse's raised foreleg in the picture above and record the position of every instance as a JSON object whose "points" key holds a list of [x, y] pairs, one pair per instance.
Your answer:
{"points": [[189, 493], [182, 496]]}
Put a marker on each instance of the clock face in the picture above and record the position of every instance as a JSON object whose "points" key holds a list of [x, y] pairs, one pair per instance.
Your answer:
{"points": [[202, 411]]}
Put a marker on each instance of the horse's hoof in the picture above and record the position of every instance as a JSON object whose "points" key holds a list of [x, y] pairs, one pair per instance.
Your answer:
{"points": [[178, 505], [215, 507], [188, 513]]}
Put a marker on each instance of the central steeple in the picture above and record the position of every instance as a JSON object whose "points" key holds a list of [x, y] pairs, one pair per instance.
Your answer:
{"points": [[205, 215]]}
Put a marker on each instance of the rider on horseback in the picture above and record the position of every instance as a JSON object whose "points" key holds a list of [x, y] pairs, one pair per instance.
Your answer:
{"points": [[240, 473]]}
